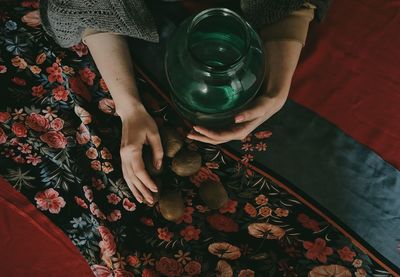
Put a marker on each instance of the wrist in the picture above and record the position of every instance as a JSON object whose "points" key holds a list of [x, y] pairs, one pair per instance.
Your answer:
{"points": [[128, 109]]}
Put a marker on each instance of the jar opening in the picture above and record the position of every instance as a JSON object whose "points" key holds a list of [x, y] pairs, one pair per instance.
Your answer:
{"points": [[218, 38]]}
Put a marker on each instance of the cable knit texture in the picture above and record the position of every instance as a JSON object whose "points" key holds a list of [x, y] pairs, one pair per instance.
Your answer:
{"points": [[66, 20]]}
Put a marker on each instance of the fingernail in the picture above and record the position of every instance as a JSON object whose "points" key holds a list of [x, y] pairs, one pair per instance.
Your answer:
{"points": [[239, 119], [154, 189], [196, 128], [158, 165], [140, 200], [150, 201]]}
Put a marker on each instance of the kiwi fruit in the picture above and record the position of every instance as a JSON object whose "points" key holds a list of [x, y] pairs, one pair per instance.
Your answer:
{"points": [[172, 141], [171, 205], [186, 163], [148, 162], [213, 194]]}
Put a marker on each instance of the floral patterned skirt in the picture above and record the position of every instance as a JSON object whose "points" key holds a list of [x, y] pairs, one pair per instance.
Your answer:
{"points": [[59, 145]]}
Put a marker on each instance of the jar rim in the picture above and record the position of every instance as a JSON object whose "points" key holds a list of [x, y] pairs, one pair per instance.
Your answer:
{"points": [[224, 12]]}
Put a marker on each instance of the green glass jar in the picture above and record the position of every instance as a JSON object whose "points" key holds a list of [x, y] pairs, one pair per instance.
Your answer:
{"points": [[215, 66]]}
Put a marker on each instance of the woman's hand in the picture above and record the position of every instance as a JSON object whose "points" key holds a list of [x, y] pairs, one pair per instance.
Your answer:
{"points": [[262, 108], [139, 128], [281, 61]]}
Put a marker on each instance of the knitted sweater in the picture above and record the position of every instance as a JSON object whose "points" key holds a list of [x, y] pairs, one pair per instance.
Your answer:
{"points": [[66, 20]]}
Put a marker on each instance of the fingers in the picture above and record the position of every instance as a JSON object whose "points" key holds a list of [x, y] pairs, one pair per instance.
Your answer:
{"points": [[131, 186], [250, 114], [157, 149], [205, 139]]}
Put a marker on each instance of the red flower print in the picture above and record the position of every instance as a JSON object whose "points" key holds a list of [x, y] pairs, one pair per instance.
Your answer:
{"points": [[33, 159], [4, 116], [60, 93], [94, 209], [246, 273], [114, 199], [149, 273], [246, 158], [317, 250], [80, 88], [261, 199], [128, 205], [147, 221], [250, 210], [107, 106], [3, 69], [87, 76], [281, 212], [32, 19], [19, 159], [25, 148], [105, 154], [247, 147], [212, 165], [308, 222], [107, 244], [96, 140], [103, 85], [55, 73], [346, 254], [80, 49], [133, 260], [222, 223], [107, 167], [266, 230], [80, 202], [263, 134], [54, 139], [193, 268], [3, 136], [359, 273], [264, 211], [19, 62], [261, 146], [96, 165], [202, 208], [164, 234], [190, 233], [169, 267], [91, 153], [35, 69], [49, 200], [357, 263], [34, 4], [229, 207], [19, 129], [38, 91], [57, 124], [41, 58], [333, 270], [202, 175], [115, 215], [88, 193], [82, 135], [223, 269], [187, 216], [224, 250], [37, 122]]}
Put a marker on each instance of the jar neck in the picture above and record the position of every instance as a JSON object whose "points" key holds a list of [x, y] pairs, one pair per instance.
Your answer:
{"points": [[218, 40]]}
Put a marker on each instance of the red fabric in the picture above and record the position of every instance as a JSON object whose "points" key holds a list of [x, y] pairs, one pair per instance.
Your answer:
{"points": [[350, 73], [31, 245]]}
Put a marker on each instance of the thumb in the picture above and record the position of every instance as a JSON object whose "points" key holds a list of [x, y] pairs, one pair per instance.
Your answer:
{"points": [[156, 146]]}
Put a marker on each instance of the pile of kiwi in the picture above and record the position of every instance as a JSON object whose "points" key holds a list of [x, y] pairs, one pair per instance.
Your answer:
{"points": [[180, 161]]}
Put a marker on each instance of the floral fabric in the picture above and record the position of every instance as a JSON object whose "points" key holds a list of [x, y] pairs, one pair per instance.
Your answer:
{"points": [[59, 145]]}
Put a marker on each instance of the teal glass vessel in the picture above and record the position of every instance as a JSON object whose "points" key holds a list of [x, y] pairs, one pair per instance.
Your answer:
{"points": [[215, 66]]}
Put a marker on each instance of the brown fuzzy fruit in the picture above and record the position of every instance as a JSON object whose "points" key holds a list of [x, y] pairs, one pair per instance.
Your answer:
{"points": [[213, 194], [171, 205], [186, 163], [172, 141], [148, 162]]}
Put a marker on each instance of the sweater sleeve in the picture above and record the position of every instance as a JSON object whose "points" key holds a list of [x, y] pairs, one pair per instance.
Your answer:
{"points": [[66, 20], [261, 12]]}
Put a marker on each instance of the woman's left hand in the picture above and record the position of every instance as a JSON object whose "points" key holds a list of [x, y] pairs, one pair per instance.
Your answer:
{"points": [[262, 108]]}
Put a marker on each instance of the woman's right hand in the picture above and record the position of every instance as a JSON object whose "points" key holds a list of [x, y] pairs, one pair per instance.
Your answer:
{"points": [[139, 128]]}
